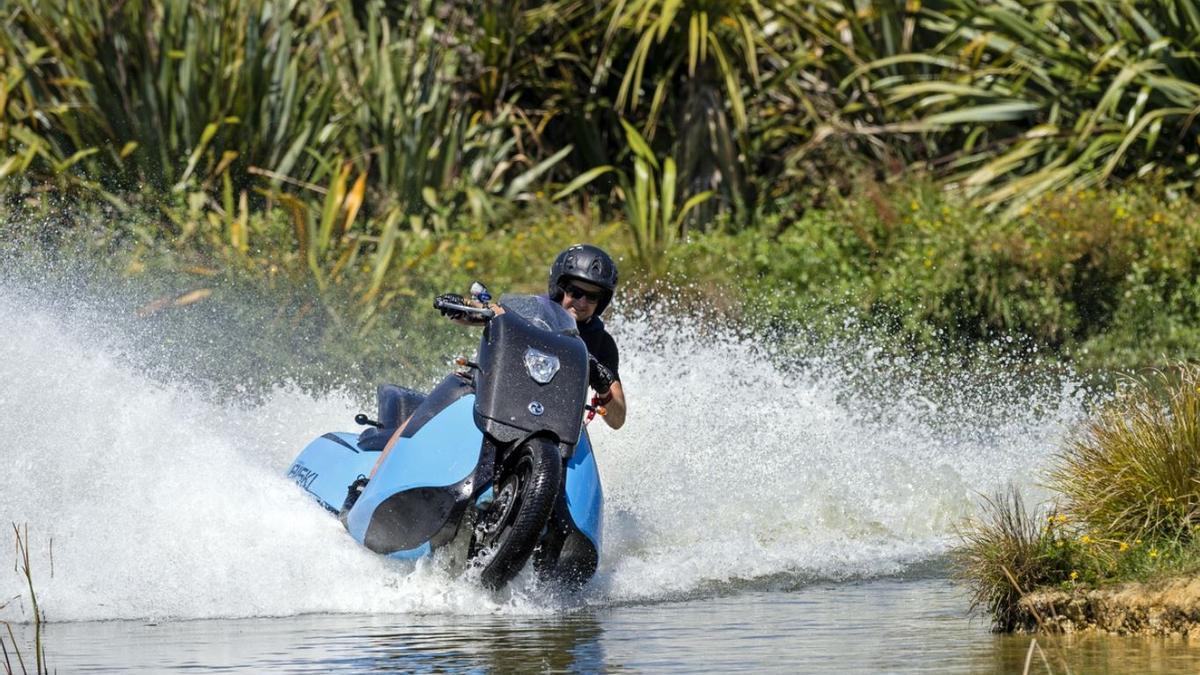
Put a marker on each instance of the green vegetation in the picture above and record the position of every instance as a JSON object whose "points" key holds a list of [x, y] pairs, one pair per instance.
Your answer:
{"points": [[1134, 471], [1009, 552], [948, 172], [1129, 510], [952, 172], [1108, 278]]}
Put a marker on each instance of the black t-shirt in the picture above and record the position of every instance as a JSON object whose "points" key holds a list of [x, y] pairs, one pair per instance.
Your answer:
{"points": [[601, 345]]}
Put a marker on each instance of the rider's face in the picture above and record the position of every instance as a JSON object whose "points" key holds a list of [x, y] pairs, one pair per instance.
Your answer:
{"points": [[578, 304]]}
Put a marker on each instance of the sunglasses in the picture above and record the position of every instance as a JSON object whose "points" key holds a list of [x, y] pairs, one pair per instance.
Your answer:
{"points": [[577, 292]]}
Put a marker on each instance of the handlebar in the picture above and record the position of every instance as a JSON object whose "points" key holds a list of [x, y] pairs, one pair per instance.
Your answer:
{"points": [[482, 312]]}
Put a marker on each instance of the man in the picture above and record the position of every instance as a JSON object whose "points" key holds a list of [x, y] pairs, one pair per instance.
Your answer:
{"points": [[582, 280]]}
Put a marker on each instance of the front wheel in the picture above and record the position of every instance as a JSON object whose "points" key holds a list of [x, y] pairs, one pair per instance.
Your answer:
{"points": [[524, 496]]}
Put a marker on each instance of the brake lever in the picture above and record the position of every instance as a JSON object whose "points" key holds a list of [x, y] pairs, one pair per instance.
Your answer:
{"points": [[594, 408]]}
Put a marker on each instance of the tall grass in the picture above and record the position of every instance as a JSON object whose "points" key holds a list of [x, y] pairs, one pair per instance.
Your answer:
{"points": [[1007, 552], [1020, 99], [350, 117], [1133, 471], [180, 94], [456, 112]]}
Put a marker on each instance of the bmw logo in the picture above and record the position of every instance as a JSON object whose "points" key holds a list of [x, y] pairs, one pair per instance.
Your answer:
{"points": [[536, 409]]}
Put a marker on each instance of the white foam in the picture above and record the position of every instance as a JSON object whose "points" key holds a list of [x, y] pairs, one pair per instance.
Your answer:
{"points": [[164, 504]]}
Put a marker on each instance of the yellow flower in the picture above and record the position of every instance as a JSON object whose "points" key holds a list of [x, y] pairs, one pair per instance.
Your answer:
{"points": [[1153, 553], [1074, 575], [913, 205], [1085, 539], [1124, 546]]}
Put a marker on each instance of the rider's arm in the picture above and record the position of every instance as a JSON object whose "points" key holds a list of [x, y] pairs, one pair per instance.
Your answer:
{"points": [[615, 416]]}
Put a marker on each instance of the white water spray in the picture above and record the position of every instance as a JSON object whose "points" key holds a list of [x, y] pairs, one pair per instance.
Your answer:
{"points": [[164, 504]]}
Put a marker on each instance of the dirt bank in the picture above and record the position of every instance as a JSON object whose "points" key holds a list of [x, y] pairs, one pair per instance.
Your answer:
{"points": [[1169, 607]]}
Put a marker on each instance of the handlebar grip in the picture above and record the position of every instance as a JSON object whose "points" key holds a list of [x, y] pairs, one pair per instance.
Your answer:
{"points": [[465, 309]]}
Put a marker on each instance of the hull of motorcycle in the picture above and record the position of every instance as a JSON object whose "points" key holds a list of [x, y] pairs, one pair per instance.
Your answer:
{"points": [[422, 492]]}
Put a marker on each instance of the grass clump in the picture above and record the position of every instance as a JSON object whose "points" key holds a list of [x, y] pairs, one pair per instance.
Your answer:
{"points": [[1127, 505], [1008, 552], [1133, 471]]}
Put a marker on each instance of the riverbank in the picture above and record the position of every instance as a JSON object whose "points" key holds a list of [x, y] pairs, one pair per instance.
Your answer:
{"points": [[1114, 547], [1166, 608]]}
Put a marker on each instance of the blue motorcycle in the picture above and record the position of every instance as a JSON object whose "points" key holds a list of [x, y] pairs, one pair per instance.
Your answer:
{"points": [[494, 465]]}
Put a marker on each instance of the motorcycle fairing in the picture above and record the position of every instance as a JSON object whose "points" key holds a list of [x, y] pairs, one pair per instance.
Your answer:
{"points": [[416, 501], [328, 465], [511, 405], [421, 486], [585, 498]]}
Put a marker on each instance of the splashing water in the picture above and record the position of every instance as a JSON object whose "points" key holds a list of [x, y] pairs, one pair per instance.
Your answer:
{"points": [[738, 463]]}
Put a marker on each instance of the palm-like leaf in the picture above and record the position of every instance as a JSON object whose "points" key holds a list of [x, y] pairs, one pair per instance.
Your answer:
{"points": [[1059, 95]]}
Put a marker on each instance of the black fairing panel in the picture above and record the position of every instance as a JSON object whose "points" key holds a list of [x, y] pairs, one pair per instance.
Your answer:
{"points": [[505, 391], [410, 518], [565, 555]]}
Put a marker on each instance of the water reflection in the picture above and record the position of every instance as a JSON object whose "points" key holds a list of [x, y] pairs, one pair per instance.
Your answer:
{"points": [[1090, 653], [570, 644], [887, 625]]}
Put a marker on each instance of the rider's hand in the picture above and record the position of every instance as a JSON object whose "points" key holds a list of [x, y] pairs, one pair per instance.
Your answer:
{"points": [[599, 376], [452, 298]]}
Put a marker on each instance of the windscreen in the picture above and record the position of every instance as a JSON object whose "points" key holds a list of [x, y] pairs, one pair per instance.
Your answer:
{"points": [[541, 312]]}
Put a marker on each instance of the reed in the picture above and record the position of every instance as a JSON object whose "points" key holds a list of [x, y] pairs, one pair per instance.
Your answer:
{"points": [[21, 535]]}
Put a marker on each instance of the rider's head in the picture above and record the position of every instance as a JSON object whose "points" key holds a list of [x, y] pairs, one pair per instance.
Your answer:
{"points": [[582, 280]]}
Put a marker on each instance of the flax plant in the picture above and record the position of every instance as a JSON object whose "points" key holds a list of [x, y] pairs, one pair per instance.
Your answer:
{"points": [[168, 92], [691, 65], [1133, 472], [649, 195], [1030, 98]]}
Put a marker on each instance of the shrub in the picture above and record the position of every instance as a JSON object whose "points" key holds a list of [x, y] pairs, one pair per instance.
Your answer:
{"points": [[1106, 278]]}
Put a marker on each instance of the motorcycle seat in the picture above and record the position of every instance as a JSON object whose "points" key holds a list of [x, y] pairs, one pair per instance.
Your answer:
{"points": [[396, 404]]}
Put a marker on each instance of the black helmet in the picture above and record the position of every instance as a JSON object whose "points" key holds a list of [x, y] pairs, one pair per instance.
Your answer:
{"points": [[586, 263]]}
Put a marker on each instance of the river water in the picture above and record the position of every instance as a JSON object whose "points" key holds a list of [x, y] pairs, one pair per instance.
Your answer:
{"points": [[768, 507]]}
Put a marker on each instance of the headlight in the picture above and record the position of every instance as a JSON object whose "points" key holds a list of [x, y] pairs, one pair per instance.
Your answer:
{"points": [[540, 366]]}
